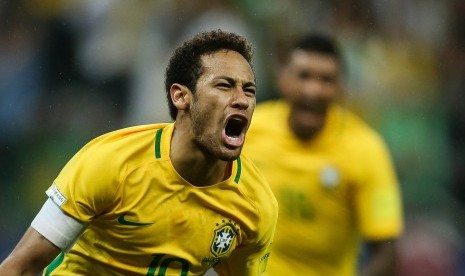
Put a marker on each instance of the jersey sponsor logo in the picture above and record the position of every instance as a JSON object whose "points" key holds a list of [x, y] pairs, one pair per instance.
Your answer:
{"points": [[55, 194], [330, 177], [223, 238], [122, 220]]}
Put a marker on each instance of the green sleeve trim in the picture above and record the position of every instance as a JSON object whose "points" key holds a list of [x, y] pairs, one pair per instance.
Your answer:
{"points": [[54, 264], [158, 143], [239, 169]]}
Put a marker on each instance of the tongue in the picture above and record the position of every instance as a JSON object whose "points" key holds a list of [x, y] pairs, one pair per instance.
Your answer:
{"points": [[236, 141]]}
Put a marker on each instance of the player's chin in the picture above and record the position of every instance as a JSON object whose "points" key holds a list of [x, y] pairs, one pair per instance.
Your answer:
{"points": [[229, 153], [232, 145]]}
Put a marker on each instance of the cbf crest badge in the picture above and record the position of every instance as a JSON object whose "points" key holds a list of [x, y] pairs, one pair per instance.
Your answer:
{"points": [[224, 238], [330, 177]]}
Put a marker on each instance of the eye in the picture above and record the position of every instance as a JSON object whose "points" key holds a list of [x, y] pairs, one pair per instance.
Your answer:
{"points": [[223, 85], [328, 79], [304, 75], [250, 90]]}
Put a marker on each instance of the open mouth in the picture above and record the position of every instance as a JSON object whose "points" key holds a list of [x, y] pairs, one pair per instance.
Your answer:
{"points": [[234, 131], [316, 107], [235, 126]]}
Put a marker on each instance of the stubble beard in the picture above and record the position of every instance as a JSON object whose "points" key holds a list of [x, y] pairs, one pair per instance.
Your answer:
{"points": [[208, 143]]}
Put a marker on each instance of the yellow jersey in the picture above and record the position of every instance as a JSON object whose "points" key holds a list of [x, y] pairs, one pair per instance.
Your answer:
{"points": [[331, 190], [145, 219]]}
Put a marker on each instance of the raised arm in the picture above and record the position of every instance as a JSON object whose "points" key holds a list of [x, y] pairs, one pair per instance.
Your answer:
{"points": [[30, 256]]}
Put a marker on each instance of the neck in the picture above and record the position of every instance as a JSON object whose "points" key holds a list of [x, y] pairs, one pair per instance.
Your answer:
{"points": [[304, 134], [194, 165]]}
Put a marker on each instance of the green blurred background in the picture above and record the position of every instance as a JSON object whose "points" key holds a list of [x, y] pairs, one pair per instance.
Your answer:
{"points": [[72, 70]]}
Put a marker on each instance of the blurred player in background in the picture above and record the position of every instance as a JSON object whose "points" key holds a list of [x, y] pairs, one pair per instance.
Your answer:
{"points": [[164, 199], [331, 173]]}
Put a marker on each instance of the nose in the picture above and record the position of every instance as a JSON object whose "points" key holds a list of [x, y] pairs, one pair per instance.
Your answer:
{"points": [[240, 100], [313, 87]]}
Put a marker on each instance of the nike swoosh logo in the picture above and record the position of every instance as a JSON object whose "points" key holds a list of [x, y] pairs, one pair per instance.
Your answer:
{"points": [[123, 221]]}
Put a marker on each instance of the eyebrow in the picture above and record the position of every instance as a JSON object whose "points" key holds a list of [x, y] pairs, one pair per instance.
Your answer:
{"points": [[233, 81]]}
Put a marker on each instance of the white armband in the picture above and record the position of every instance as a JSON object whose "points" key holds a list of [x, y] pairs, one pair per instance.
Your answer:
{"points": [[59, 228]]}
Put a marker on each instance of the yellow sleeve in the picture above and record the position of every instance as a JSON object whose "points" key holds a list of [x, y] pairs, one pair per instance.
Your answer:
{"points": [[87, 184], [378, 200]]}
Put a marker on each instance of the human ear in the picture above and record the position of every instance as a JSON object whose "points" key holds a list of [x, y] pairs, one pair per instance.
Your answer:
{"points": [[180, 96]]}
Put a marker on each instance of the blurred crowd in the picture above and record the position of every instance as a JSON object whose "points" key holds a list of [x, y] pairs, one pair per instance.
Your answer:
{"points": [[72, 70]]}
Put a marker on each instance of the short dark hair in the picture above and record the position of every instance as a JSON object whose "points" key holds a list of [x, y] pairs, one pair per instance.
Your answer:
{"points": [[185, 65], [319, 43]]}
